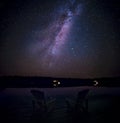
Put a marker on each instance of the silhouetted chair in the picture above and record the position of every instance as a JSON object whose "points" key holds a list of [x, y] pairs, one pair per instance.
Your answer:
{"points": [[42, 109], [79, 108]]}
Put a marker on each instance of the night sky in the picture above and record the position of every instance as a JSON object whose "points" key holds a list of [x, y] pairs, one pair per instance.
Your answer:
{"points": [[60, 38]]}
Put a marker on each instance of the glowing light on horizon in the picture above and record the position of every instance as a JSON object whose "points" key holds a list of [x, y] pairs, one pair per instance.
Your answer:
{"points": [[95, 83]]}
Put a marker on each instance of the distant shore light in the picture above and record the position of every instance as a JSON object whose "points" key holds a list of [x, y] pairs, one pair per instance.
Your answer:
{"points": [[55, 81], [95, 82], [58, 83]]}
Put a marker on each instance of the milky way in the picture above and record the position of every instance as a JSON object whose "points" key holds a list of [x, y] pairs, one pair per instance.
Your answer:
{"points": [[60, 38], [55, 37]]}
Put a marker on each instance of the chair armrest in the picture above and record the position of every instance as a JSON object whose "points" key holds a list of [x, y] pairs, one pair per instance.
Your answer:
{"points": [[50, 105], [70, 104]]}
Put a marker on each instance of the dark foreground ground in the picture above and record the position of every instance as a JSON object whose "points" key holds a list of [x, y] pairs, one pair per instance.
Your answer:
{"points": [[103, 105]]}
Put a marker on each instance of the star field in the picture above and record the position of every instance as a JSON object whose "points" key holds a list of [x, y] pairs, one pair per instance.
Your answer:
{"points": [[61, 38]]}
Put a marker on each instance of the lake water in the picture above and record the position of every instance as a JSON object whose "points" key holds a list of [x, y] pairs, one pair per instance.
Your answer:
{"points": [[16, 103]]}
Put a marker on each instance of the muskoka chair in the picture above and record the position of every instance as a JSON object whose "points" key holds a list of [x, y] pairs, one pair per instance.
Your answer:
{"points": [[78, 109], [42, 109]]}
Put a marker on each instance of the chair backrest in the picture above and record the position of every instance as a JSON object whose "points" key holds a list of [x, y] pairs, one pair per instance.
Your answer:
{"points": [[82, 95], [39, 95]]}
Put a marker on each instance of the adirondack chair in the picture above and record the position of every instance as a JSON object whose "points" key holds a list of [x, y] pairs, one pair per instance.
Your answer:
{"points": [[42, 109], [78, 109]]}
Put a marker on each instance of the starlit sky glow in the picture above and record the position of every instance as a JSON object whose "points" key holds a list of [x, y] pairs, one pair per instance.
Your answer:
{"points": [[60, 38]]}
